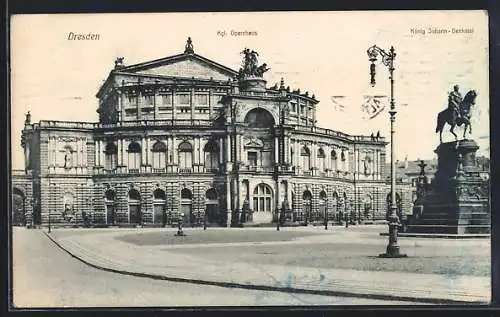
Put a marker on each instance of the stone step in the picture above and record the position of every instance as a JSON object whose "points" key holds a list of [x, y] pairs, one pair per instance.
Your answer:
{"points": [[449, 221], [448, 229]]}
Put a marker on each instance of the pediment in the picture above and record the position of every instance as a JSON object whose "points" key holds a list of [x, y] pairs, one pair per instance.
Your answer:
{"points": [[253, 142], [184, 65]]}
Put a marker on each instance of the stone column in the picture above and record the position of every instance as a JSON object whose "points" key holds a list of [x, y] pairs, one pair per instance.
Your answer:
{"points": [[175, 157], [119, 148], [221, 150], [228, 202], [299, 113], [313, 114], [306, 114], [174, 111], [120, 105], [96, 153], [192, 102], [356, 163], [297, 155], [155, 103], [143, 150], [210, 106], [276, 149], [148, 151], [241, 154], [101, 152], [347, 157], [139, 103]]}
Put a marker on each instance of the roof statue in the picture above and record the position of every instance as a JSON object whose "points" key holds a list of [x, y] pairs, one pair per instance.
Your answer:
{"points": [[189, 46], [28, 118], [119, 62], [249, 67]]}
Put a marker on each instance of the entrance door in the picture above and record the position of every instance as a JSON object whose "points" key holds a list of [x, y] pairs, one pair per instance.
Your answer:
{"points": [[322, 211], [110, 212], [159, 214], [187, 211], [212, 213], [135, 214]]}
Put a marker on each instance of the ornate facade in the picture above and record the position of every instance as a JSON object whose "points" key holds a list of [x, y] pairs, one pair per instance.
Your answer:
{"points": [[184, 136]]}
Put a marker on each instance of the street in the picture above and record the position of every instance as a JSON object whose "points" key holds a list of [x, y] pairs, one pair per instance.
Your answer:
{"points": [[46, 276]]}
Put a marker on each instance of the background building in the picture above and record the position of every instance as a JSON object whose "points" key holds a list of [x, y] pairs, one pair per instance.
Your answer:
{"points": [[186, 136]]}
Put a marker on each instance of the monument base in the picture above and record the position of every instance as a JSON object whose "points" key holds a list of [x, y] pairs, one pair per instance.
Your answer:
{"points": [[256, 84], [457, 200]]}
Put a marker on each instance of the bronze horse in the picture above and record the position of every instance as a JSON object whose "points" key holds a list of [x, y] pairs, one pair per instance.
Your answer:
{"points": [[463, 118]]}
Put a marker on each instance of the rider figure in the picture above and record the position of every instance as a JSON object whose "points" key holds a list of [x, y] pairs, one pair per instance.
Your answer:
{"points": [[454, 100]]}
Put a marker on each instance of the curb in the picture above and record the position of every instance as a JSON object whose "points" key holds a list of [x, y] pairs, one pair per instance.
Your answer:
{"points": [[271, 288], [439, 235]]}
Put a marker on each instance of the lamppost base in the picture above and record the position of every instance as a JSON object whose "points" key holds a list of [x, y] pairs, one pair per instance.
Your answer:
{"points": [[392, 252]]}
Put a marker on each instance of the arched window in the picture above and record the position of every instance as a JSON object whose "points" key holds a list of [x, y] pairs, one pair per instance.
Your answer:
{"points": [[109, 200], [335, 201], [305, 156], [110, 195], [186, 206], [134, 157], [134, 194], [186, 194], [322, 206], [159, 154], [211, 150], [110, 156], [262, 198], [334, 160], [159, 208], [211, 194], [259, 118], [212, 206], [185, 157], [134, 206], [159, 194], [321, 159]]}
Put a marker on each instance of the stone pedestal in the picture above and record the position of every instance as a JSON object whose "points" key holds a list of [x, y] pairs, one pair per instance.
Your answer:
{"points": [[457, 200], [256, 84]]}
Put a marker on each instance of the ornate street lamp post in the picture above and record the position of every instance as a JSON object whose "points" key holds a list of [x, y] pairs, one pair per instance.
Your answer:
{"points": [[388, 60], [49, 217], [205, 221], [326, 217]]}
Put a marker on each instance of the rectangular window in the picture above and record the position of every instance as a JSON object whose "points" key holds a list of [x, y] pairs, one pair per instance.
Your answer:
{"points": [[267, 160], [183, 99], [301, 109], [294, 107], [132, 100], [252, 158], [166, 99], [148, 100], [202, 99]]}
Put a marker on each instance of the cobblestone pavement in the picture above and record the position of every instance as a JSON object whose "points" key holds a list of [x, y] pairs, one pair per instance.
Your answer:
{"points": [[46, 276], [356, 248]]}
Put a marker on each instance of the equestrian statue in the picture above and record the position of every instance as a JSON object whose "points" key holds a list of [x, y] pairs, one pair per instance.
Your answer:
{"points": [[458, 112]]}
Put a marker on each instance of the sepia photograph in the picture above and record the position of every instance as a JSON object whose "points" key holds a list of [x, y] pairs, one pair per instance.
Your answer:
{"points": [[240, 159]]}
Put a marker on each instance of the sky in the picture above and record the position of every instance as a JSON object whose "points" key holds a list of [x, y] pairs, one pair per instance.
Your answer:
{"points": [[324, 53]]}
